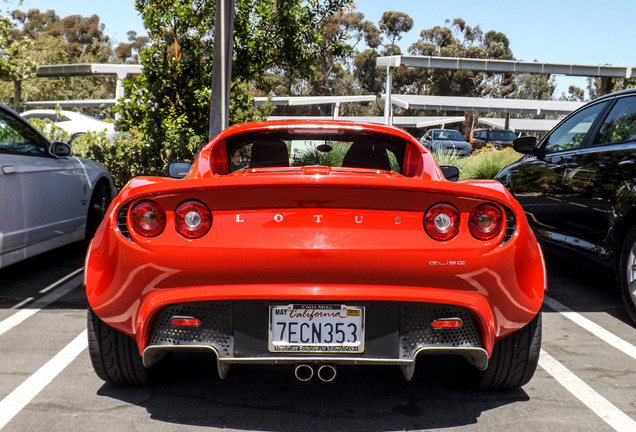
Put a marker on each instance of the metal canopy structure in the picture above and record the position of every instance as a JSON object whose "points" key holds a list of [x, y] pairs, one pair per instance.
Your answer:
{"points": [[402, 121], [526, 125], [82, 69], [73, 103], [489, 65], [512, 66], [314, 100], [506, 106]]}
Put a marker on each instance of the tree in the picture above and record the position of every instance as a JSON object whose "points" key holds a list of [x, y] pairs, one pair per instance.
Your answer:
{"points": [[393, 24], [170, 100], [15, 61], [51, 39], [534, 86]]}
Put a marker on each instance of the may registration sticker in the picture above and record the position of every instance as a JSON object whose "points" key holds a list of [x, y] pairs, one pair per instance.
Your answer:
{"points": [[316, 328]]}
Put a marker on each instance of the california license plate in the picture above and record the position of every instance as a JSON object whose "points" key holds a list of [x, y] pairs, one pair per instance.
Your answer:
{"points": [[316, 328]]}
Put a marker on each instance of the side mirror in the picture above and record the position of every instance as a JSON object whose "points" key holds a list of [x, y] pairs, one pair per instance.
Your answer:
{"points": [[450, 172], [61, 149], [525, 145], [178, 170]]}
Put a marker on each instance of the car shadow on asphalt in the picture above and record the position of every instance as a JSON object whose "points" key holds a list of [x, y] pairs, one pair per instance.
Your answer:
{"points": [[582, 288], [269, 398], [27, 281]]}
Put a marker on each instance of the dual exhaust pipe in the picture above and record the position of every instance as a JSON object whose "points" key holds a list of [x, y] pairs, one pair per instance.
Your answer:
{"points": [[305, 372]]}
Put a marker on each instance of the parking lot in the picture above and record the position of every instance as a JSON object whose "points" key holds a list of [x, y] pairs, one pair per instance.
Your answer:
{"points": [[585, 380]]}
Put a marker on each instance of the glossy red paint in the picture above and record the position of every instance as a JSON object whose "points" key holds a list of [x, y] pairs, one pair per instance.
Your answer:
{"points": [[315, 234]]}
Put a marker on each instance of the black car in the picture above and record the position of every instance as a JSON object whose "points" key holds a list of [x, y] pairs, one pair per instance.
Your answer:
{"points": [[578, 187]]}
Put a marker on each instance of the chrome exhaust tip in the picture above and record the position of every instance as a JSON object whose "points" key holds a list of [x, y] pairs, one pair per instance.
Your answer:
{"points": [[303, 372], [327, 373]]}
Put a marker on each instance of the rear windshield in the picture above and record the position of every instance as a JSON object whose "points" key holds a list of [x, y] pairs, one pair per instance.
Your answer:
{"points": [[315, 147], [448, 134], [502, 135]]}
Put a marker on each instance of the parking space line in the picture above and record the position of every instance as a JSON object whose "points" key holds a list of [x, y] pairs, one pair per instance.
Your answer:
{"points": [[613, 416], [21, 315], [592, 327], [11, 405], [61, 281]]}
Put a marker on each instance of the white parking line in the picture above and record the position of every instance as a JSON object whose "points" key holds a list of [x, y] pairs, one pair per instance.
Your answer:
{"points": [[18, 317], [592, 327], [32, 386], [613, 416]]}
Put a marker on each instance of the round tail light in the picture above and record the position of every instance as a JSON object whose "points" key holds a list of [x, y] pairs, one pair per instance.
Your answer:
{"points": [[148, 218], [485, 221], [193, 219], [441, 221]]}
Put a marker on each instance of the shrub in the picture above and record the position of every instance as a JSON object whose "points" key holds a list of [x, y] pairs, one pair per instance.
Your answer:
{"points": [[50, 130], [484, 163], [125, 157], [447, 157]]}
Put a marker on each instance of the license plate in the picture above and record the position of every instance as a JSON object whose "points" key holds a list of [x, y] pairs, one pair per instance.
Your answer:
{"points": [[316, 328]]}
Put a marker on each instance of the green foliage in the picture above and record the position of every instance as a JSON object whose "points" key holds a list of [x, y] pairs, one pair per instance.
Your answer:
{"points": [[50, 130], [170, 101], [447, 157], [484, 163], [310, 155], [125, 157], [15, 63]]}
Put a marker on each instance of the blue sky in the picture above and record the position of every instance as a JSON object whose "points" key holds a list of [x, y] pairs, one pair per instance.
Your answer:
{"points": [[556, 31]]}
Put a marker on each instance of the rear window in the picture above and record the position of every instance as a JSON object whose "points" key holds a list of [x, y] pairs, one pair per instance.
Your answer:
{"points": [[502, 135], [448, 135], [315, 147]]}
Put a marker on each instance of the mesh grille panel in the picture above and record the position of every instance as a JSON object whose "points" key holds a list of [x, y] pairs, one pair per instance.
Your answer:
{"points": [[216, 328], [416, 331]]}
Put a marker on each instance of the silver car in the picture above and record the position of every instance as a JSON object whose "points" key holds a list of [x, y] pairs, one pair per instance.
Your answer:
{"points": [[48, 198], [446, 139]]}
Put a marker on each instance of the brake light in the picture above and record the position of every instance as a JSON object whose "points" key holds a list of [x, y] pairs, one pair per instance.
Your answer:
{"points": [[447, 323], [148, 218], [184, 321], [193, 219], [485, 221], [441, 221]]}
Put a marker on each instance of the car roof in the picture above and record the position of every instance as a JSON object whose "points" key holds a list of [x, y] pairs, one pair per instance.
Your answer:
{"points": [[615, 94]]}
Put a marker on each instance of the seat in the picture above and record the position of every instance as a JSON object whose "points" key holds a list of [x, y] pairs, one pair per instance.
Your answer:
{"points": [[269, 153], [367, 155]]}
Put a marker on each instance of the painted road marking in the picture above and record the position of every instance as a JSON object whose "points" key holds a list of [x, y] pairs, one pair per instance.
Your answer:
{"points": [[23, 314], [32, 386], [592, 327], [613, 416]]}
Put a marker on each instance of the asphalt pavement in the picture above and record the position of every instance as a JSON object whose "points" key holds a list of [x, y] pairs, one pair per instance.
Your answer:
{"points": [[586, 378]]}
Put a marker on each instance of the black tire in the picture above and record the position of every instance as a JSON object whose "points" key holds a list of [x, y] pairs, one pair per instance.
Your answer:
{"points": [[100, 200], [114, 355], [514, 359], [627, 273]]}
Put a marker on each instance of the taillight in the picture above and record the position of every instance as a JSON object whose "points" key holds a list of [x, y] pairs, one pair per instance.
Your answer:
{"points": [[441, 221], [192, 219], [485, 221], [148, 218]]}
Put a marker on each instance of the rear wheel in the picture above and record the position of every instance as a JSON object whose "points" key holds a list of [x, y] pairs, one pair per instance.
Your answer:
{"points": [[114, 355], [100, 200], [627, 273], [514, 359]]}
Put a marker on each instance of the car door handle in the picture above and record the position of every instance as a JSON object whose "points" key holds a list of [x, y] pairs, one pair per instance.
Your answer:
{"points": [[9, 169]]}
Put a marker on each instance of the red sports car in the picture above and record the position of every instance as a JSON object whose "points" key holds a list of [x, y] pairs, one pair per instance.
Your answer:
{"points": [[315, 244]]}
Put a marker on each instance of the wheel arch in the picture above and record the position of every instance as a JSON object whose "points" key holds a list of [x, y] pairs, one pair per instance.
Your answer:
{"points": [[626, 222]]}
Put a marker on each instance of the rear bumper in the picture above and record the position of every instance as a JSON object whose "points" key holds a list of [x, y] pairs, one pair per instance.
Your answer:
{"points": [[395, 333]]}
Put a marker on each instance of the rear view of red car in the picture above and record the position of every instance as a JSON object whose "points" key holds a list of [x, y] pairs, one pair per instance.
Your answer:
{"points": [[315, 244]]}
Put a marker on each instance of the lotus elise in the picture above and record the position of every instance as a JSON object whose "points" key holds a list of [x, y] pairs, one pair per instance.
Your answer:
{"points": [[315, 244]]}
